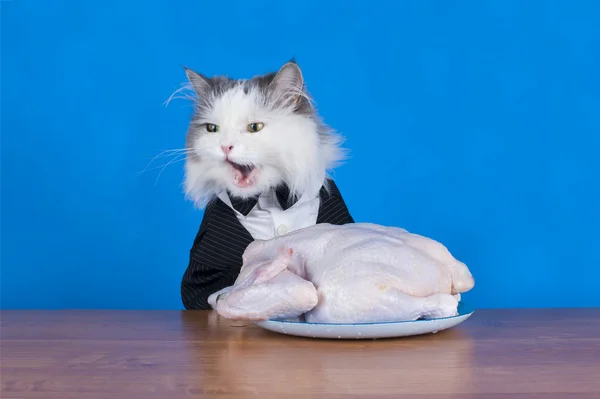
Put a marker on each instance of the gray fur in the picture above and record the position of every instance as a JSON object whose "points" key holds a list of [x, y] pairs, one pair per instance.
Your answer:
{"points": [[210, 88]]}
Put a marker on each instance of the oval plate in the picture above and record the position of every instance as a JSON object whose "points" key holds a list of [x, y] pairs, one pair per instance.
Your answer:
{"points": [[367, 330]]}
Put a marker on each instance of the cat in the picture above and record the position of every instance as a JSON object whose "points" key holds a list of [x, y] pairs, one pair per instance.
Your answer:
{"points": [[258, 161]]}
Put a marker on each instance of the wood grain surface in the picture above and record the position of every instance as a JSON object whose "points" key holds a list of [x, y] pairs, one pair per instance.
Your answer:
{"points": [[170, 354]]}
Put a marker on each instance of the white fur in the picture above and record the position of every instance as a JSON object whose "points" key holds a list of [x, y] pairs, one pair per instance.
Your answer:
{"points": [[288, 149]]}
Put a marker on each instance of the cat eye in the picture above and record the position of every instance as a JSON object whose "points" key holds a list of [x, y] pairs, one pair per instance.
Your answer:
{"points": [[211, 127], [255, 127]]}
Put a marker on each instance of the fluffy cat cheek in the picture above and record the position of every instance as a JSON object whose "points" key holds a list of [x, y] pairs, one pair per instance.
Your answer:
{"points": [[268, 177], [209, 149]]}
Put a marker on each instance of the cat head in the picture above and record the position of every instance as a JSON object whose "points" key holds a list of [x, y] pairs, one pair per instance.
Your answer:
{"points": [[249, 135]]}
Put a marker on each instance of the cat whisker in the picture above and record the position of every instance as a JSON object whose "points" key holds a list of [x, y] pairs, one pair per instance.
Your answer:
{"points": [[167, 153], [180, 94], [172, 161], [178, 149]]}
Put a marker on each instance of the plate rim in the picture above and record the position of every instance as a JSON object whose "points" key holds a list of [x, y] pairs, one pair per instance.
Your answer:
{"points": [[468, 310]]}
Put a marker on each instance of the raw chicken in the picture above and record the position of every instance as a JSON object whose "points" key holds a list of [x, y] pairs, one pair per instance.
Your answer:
{"points": [[351, 273]]}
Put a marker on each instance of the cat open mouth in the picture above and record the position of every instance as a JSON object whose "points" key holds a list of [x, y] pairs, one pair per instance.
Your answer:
{"points": [[243, 175]]}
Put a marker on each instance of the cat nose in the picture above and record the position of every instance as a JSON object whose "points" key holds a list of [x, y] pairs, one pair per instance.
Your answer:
{"points": [[226, 149]]}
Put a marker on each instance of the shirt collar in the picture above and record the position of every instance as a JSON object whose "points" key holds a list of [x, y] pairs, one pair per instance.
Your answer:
{"points": [[245, 205]]}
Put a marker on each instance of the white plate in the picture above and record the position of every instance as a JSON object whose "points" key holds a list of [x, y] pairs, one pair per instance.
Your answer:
{"points": [[367, 330]]}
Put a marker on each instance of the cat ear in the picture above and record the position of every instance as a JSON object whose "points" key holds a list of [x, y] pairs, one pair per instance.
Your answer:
{"points": [[288, 83], [199, 82]]}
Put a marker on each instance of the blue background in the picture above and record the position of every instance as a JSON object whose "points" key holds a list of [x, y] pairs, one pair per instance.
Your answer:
{"points": [[476, 123]]}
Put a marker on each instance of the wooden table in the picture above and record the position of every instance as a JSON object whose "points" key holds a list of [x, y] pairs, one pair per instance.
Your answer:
{"points": [[171, 354]]}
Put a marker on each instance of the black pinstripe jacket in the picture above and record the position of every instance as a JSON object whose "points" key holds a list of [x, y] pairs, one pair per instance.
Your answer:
{"points": [[216, 254]]}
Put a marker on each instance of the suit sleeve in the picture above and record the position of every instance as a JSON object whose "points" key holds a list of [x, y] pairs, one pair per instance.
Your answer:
{"points": [[200, 281], [205, 273]]}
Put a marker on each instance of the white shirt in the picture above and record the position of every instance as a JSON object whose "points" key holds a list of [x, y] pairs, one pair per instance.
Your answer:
{"points": [[267, 219]]}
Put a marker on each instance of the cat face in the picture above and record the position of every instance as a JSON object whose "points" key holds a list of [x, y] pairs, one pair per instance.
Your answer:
{"points": [[247, 136]]}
